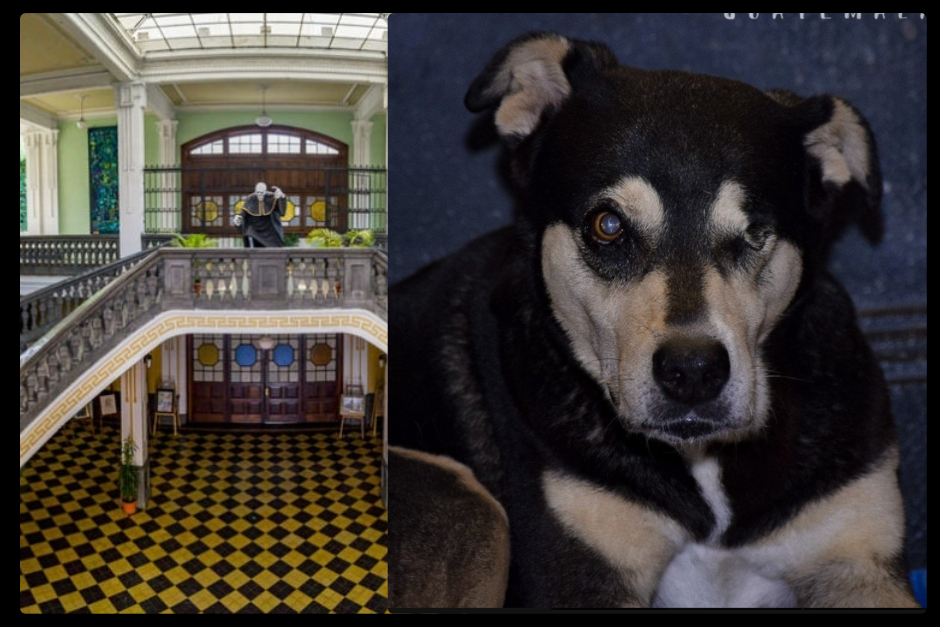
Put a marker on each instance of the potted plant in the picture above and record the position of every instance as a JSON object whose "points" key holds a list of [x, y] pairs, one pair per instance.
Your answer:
{"points": [[194, 240], [324, 238], [358, 239], [128, 481], [197, 286]]}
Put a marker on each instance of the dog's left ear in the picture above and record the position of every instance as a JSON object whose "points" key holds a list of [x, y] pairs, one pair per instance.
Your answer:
{"points": [[844, 172], [532, 76]]}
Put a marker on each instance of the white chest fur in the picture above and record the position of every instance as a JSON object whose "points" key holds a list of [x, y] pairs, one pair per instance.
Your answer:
{"points": [[706, 575]]}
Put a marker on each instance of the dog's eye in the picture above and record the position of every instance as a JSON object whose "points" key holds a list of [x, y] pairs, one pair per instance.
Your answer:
{"points": [[607, 227], [758, 236]]}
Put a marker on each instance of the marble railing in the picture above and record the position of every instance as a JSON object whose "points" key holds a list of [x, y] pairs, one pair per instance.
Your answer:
{"points": [[73, 254], [166, 280], [43, 309], [66, 254]]}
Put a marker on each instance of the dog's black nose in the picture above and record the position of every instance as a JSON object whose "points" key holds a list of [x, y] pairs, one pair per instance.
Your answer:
{"points": [[691, 371]]}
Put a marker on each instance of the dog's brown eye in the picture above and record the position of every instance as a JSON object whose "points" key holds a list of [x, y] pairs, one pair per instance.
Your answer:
{"points": [[607, 227]]}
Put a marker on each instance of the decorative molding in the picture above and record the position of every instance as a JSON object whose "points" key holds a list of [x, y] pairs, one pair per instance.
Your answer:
{"points": [[98, 36], [159, 104], [36, 117], [63, 81], [372, 102], [171, 324], [259, 65]]}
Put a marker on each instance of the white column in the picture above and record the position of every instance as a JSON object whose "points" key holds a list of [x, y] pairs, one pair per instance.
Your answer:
{"points": [[362, 142], [174, 368], [362, 156], [134, 421], [131, 100], [42, 182], [169, 221]]}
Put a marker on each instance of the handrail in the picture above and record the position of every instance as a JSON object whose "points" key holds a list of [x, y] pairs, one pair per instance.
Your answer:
{"points": [[229, 279], [66, 254], [44, 308]]}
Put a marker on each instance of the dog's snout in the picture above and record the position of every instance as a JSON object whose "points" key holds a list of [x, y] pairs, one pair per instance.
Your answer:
{"points": [[691, 371]]}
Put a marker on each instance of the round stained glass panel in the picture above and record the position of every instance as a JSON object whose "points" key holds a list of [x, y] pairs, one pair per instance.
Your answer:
{"points": [[208, 355], [321, 355], [283, 355], [246, 355]]}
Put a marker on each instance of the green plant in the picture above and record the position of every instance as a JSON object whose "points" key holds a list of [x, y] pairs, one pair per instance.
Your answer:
{"points": [[128, 481], [324, 238], [194, 240], [358, 239], [291, 239]]}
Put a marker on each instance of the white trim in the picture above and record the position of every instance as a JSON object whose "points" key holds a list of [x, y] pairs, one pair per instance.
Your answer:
{"points": [[63, 81], [159, 104], [259, 65], [98, 36], [178, 323], [371, 102], [36, 117]]}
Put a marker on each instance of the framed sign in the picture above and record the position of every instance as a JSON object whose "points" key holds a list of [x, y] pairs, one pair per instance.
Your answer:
{"points": [[107, 404], [165, 401], [353, 405]]}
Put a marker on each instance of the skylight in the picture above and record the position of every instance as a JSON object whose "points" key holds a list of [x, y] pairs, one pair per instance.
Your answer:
{"points": [[189, 31]]}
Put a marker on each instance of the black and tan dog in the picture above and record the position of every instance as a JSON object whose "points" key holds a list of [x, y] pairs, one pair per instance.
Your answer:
{"points": [[651, 371]]}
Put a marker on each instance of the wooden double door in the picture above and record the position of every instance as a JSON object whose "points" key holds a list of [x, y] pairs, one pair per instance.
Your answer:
{"points": [[294, 381]]}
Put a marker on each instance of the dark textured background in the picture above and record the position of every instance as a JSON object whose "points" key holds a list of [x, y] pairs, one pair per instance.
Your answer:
{"points": [[443, 190]]}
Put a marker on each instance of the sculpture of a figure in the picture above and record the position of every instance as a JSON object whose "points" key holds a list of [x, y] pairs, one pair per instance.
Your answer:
{"points": [[260, 219]]}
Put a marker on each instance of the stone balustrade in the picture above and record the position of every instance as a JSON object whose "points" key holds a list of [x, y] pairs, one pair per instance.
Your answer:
{"points": [[166, 279]]}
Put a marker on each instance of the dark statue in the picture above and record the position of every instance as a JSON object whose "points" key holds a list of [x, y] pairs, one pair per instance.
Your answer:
{"points": [[260, 218]]}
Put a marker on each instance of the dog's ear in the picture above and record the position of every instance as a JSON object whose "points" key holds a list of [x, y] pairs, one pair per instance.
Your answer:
{"points": [[531, 77], [844, 176]]}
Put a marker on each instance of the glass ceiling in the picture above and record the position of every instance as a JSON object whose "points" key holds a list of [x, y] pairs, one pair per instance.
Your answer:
{"points": [[189, 31]]}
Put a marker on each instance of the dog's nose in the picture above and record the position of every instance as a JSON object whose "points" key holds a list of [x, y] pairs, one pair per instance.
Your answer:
{"points": [[691, 371]]}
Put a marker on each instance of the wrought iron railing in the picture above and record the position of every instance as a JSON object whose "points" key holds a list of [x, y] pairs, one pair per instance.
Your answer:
{"points": [[164, 280]]}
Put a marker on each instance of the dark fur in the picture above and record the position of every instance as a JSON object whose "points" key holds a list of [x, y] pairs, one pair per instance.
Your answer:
{"points": [[484, 373]]}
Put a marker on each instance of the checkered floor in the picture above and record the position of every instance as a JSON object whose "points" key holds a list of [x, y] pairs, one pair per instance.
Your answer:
{"points": [[260, 523]]}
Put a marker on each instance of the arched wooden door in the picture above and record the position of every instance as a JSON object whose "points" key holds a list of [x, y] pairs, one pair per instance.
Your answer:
{"points": [[221, 168]]}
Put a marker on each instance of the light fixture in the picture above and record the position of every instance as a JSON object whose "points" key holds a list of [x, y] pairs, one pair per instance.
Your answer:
{"points": [[382, 359], [264, 119], [148, 360], [81, 119], [266, 342]]}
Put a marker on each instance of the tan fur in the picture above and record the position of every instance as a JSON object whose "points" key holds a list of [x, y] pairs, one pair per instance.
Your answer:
{"points": [[742, 312], [613, 328], [841, 145], [463, 473], [727, 212], [477, 583], [636, 540], [530, 81], [640, 202], [836, 552]]}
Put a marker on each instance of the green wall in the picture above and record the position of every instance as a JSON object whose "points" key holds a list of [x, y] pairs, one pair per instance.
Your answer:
{"points": [[73, 148]]}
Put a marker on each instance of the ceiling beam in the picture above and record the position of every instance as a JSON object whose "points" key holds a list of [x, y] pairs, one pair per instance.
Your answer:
{"points": [[159, 104], [262, 65], [37, 117], [103, 40], [79, 79], [372, 102]]}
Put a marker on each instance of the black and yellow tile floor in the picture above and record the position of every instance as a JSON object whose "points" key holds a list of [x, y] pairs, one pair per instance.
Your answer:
{"points": [[246, 522]]}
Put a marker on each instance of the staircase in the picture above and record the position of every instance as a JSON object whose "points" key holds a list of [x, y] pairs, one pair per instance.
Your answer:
{"points": [[76, 350]]}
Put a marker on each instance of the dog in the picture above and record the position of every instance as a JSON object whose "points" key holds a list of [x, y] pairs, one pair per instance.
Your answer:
{"points": [[651, 371]]}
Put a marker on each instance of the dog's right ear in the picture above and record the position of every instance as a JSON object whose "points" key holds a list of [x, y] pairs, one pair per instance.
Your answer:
{"points": [[531, 77]]}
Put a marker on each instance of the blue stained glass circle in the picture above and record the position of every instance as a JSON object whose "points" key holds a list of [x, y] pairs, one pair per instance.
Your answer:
{"points": [[246, 355], [283, 355]]}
